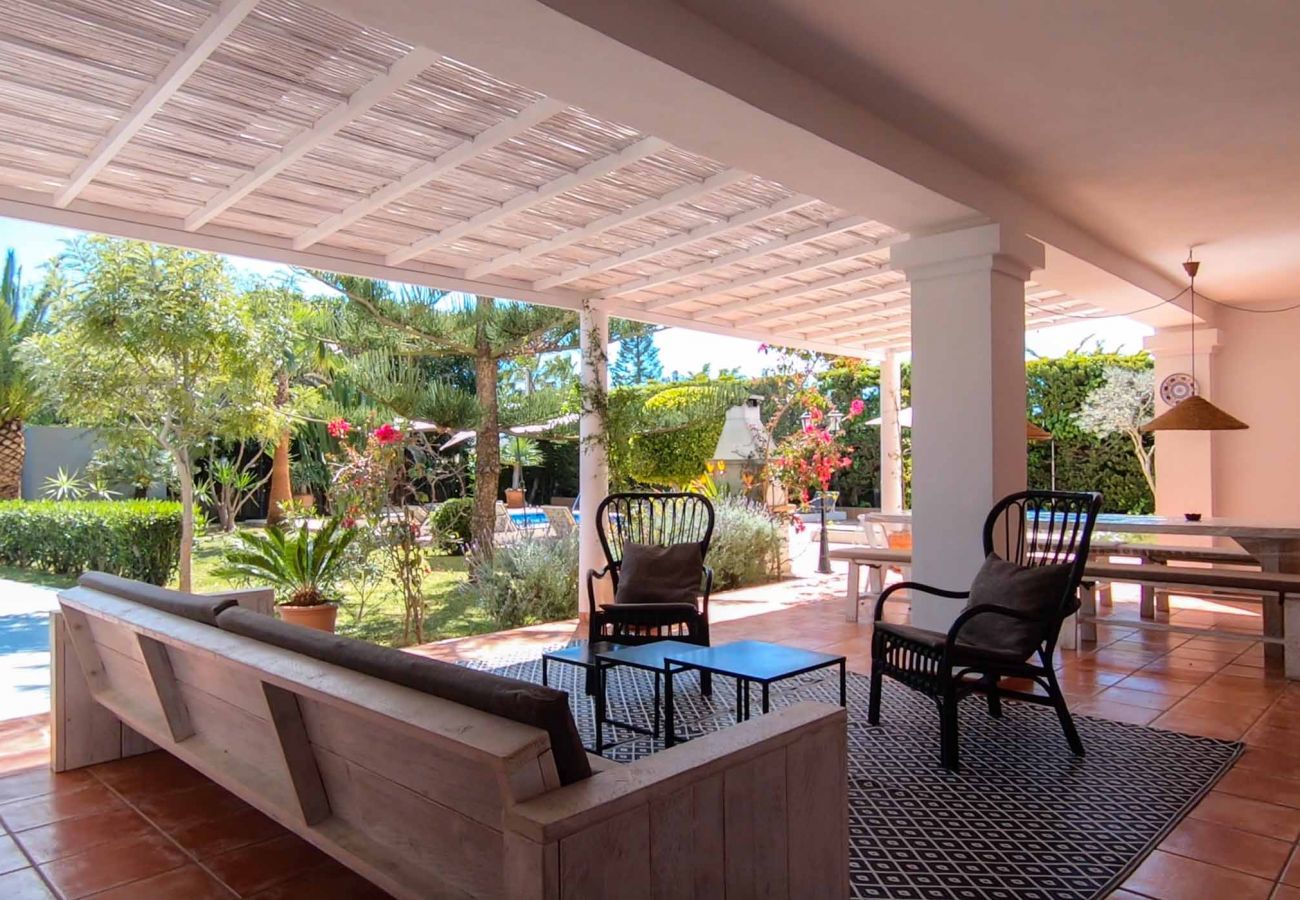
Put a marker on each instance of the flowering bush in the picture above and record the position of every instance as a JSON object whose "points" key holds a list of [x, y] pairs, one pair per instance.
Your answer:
{"points": [[806, 460], [376, 482]]}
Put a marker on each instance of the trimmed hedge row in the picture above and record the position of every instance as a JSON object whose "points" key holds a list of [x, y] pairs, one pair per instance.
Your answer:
{"points": [[138, 539]]}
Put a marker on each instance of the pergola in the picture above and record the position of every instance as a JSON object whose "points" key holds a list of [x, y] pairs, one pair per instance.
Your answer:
{"points": [[288, 132], [277, 130]]}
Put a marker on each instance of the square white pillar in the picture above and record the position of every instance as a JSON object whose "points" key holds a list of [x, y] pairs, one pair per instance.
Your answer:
{"points": [[968, 397], [593, 456], [1184, 459]]}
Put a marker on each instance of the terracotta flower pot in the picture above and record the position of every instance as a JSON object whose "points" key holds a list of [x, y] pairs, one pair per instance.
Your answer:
{"points": [[320, 617], [306, 501], [514, 498]]}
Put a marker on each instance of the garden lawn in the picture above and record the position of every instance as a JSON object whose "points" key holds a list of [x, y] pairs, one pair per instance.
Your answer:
{"points": [[447, 616]]}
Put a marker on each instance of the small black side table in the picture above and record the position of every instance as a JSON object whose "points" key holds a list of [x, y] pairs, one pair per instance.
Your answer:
{"points": [[747, 662], [584, 656], [651, 657]]}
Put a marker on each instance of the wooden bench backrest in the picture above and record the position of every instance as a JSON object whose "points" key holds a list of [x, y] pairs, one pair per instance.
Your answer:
{"points": [[408, 789]]}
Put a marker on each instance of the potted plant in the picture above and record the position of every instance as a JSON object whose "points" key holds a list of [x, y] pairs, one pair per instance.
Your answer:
{"points": [[300, 564], [517, 453], [303, 477]]}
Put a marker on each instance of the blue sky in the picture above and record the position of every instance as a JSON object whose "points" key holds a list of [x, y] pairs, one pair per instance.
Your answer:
{"points": [[680, 349]]}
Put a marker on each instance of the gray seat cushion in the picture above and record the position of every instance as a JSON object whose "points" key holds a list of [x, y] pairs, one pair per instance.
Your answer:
{"points": [[519, 701], [1036, 590], [178, 603], [650, 574], [965, 652]]}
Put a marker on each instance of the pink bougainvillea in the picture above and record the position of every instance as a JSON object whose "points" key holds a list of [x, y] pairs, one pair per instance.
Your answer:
{"points": [[856, 407], [338, 428], [386, 434]]}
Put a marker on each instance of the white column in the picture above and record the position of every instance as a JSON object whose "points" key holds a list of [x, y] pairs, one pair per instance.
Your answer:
{"points": [[593, 458], [968, 397], [891, 435], [1184, 460]]}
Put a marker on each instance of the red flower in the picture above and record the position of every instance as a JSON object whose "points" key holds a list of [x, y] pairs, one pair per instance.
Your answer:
{"points": [[338, 428], [386, 434], [856, 407]]}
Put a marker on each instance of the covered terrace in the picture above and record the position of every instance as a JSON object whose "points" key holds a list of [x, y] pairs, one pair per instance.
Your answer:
{"points": [[678, 164]]}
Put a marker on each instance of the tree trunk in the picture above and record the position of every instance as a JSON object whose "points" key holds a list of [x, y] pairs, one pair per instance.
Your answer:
{"points": [[487, 451], [187, 518], [281, 484], [13, 449]]}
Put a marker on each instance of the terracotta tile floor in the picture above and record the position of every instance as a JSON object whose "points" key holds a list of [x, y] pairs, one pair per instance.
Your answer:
{"points": [[149, 827]]}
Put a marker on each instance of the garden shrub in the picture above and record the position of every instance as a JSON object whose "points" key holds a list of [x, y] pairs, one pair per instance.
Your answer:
{"points": [[746, 545], [531, 580], [675, 457], [450, 522], [137, 539]]}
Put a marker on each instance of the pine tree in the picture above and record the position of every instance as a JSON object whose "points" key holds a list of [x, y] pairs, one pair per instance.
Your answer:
{"points": [[638, 359]]}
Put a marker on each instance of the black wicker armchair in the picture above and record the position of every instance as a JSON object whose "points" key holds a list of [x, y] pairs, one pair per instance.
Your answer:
{"points": [[664, 521], [1036, 543]]}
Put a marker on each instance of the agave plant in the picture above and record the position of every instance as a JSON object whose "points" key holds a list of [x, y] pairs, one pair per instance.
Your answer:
{"points": [[300, 564]]}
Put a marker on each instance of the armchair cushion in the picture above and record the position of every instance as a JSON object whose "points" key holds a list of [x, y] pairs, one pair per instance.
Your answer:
{"points": [[966, 653], [650, 574], [1036, 590]]}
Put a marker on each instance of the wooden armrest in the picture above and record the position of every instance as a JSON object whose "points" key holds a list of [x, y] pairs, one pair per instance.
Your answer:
{"points": [[559, 813]]}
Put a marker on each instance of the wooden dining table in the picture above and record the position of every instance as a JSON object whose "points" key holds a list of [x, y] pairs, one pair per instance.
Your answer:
{"points": [[1276, 545]]}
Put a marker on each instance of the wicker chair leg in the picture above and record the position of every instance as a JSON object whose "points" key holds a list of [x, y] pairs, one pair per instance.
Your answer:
{"points": [[948, 741], [873, 703], [1063, 713], [994, 698]]}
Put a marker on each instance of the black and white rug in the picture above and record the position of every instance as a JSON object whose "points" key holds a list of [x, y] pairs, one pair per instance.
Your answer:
{"points": [[1023, 820]]}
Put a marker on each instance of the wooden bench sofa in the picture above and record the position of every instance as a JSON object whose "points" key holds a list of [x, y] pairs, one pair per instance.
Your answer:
{"points": [[434, 780]]}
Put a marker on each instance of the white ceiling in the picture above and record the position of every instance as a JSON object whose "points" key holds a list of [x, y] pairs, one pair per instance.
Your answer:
{"points": [[1153, 125]]}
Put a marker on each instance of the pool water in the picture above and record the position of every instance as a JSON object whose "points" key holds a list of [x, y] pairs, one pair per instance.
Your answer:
{"points": [[532, 518]]}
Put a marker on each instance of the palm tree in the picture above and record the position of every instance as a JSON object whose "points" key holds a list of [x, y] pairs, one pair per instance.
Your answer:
{"points": [[21, 316]]}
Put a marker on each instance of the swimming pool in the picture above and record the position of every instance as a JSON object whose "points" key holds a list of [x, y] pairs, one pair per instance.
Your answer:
{"points": [[527, 518]]}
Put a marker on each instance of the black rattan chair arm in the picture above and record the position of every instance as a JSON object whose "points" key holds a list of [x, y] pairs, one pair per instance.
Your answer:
{"points": [[708, 589], [592, 576], [913, 586]]}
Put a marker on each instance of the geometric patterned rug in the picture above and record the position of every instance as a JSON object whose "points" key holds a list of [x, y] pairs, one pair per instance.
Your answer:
{"points": [[1024, 819]]}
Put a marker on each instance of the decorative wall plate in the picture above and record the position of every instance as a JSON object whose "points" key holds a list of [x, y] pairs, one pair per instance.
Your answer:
{"points": [[1177, 387]]}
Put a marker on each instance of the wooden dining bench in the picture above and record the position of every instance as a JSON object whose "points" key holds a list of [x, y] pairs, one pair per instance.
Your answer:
{"points": [[435, 780], [1278, 592], [1153, 599]]}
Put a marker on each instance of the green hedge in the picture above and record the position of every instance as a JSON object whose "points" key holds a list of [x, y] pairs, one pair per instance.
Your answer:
{"points": [[1056, 390], [674, 458], [138, 539]]}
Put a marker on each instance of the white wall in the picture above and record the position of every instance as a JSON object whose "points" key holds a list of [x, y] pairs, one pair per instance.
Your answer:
{"points": [[1257, 379]]}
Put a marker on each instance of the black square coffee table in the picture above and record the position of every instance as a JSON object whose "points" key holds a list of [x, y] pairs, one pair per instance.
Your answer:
{"points": [[749, 662], [584, 656], [651, 657]]}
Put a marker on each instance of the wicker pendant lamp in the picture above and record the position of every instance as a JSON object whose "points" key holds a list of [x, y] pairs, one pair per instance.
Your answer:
{"points": [[1194, 413]]}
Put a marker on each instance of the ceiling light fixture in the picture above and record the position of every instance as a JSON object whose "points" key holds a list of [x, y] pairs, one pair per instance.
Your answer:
{"points": [[1194, 413]]}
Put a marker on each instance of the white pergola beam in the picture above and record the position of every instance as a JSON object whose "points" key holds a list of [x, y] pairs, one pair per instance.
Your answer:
{"points": [[641, 210], [817, 232], [199, 47], [739, 220], [881, 311], [378, 88], [590, 172], [798, 290], [818, 306], [632, 311], [792, 268], [421, 175]]}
